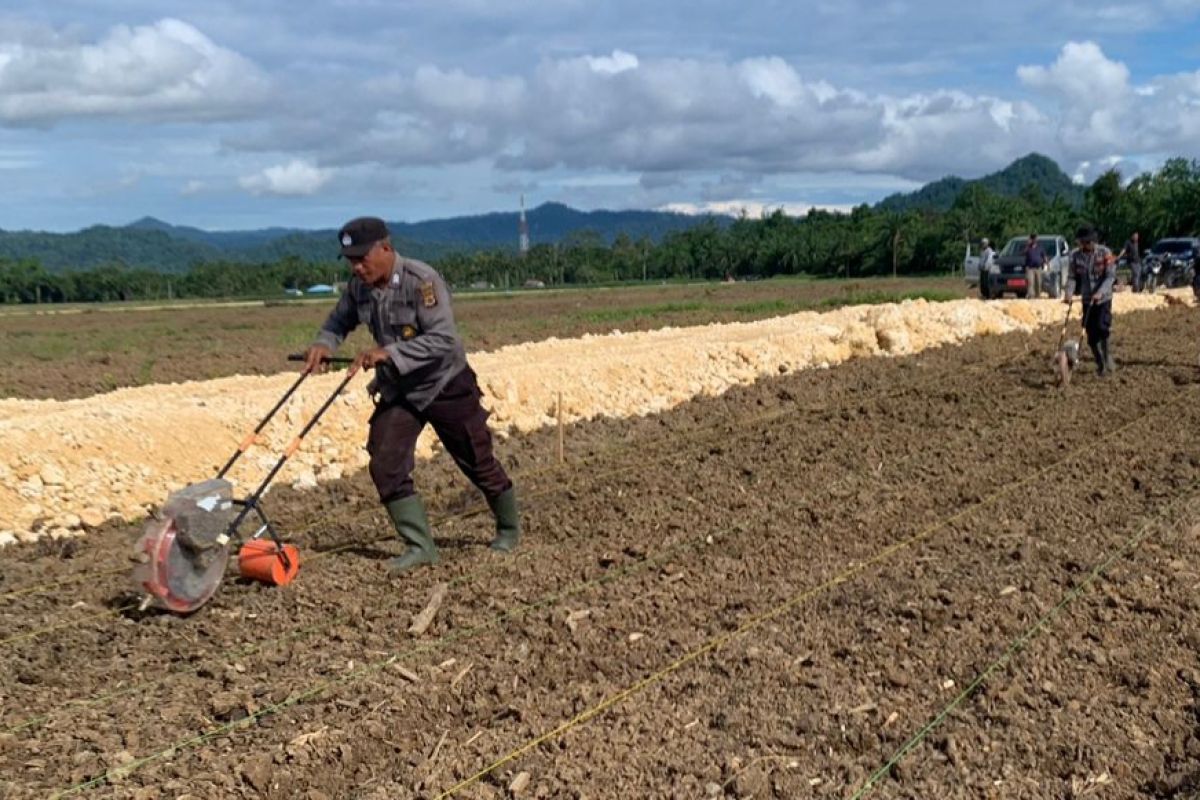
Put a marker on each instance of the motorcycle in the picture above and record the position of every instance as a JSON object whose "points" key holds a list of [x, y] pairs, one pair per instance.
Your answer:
{"points": [[1165, 271], [1176, 272], [1152, 269]]}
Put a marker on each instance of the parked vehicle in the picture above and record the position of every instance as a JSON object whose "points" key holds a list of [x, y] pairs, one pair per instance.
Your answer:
{"points": [[1151, 270], [1171, 263], [971, 268], [1009, 275]]}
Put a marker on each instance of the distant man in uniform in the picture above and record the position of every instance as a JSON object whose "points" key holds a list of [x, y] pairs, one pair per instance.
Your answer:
{"points": [[421, 376], [1035, 262], [987, 265], [1133, 252], [1092, 269]]}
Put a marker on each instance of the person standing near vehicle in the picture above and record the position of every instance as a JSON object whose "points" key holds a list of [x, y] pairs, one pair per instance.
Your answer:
{"points": [[421, 377], [1092, 269], [1035, 262], [987, 265], [1133, 253]]}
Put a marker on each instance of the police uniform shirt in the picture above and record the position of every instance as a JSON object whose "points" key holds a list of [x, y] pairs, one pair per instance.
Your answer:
{"points": [[1093, 273], [410, 317]]}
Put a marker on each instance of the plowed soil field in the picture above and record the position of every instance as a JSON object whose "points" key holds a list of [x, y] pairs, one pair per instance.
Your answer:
{"points": [[919, 577]]}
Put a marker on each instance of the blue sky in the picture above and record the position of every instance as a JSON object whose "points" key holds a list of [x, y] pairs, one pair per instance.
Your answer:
{"points": [[231, 115]]}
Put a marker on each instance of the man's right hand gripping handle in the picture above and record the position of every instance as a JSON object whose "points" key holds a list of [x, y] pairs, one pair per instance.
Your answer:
{"points": [[315, 358]]}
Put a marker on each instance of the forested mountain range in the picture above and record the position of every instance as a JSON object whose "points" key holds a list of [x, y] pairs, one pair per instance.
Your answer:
{"points": [[153, 244]]}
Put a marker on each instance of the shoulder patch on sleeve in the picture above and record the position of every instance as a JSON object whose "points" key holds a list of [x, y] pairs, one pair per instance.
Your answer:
{"points": [[428, 294]]}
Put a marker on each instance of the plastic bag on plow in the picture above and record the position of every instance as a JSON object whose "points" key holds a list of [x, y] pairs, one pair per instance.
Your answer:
{"points": [[1065, 361], [182, 554]]}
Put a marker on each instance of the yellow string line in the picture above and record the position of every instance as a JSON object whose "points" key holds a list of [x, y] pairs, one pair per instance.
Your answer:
{"points": [[604, 579], [349, 545], [106, 613], [691, 441], [766, 616], [300, 633], [369, 669], [85, 702], [296, 634], [754, 622], [1017, 645], [46, 587], [709, 430], [554, 598], [550, 468]]}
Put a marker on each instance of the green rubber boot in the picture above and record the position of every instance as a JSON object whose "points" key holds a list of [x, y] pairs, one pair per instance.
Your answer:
{"points": [[408, 515], [508, 521], [1098, 355]]}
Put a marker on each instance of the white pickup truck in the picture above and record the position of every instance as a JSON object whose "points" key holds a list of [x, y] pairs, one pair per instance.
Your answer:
{"points": [[971, 268], [1008, 268]]}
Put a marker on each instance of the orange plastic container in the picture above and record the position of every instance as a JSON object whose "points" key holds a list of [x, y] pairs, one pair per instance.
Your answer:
{"points": [[259, 560]]}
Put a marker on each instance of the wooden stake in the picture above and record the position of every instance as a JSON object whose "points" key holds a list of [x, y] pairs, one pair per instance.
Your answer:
{"points": [[561, 433], [423, 620]]}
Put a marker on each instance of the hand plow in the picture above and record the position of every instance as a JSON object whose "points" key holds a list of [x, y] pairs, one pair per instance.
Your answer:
{"points": [[184, 549]]}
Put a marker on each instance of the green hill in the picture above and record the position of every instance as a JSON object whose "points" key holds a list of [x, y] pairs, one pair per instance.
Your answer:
{"points": [[158, 245], [1032, 170]]}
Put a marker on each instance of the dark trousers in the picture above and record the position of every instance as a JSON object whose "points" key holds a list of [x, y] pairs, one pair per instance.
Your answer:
{"points": [[1097, 321], [459, 420]]}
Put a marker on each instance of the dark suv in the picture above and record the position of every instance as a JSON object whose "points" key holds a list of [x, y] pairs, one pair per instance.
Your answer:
{"points": [[1175, 260]]}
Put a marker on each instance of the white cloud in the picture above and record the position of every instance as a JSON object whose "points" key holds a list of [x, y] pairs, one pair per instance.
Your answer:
{"points": [[1088, 171], [754, 116], [296, 178], [1103, 116], [930, 135], [619, 61], [580, 181], [775, 80], [168, 70], [457, 92], [703, 102], [754, 209]]}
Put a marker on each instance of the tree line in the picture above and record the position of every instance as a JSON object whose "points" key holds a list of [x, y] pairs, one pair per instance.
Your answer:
{"points": [[864, 242]]}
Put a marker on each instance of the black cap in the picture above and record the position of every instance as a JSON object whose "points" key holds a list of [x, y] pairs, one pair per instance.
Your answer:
{"points": [[1086, 233], [359, 235]]}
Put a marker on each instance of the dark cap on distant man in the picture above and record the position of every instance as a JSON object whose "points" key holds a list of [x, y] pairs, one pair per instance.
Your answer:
{"points": [[360, 234]]}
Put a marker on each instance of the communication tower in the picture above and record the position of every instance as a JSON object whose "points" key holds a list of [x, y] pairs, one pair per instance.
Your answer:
{"points": [[522, 230]]}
